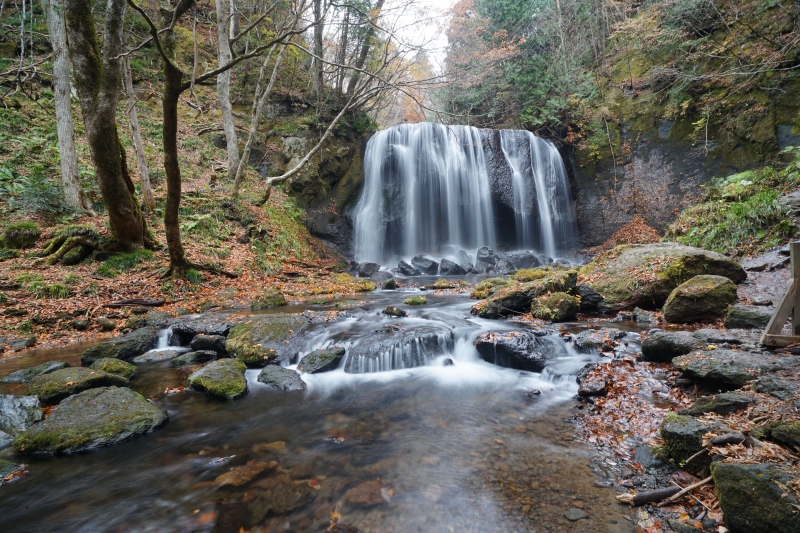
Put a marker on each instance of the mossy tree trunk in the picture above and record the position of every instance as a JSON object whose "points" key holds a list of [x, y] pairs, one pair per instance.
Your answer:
{"points": [[98, 81]]}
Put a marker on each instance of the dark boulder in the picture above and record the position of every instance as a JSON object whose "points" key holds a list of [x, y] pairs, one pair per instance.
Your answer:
{"points": [[214, 343], [773, 386], [594, 340], [408, 270], [518, 349], [469, 268], [752, 500], [188, 328], [381, 277], [683, 437], [194, 358], [523, 259], [27, 374], [223, 378], [722, 404], [125, 347], [504, 267], [748, 316], [394, 311], [323, 360], [93, 418], [54, 387], [703, 298], [281, 378], [156, 356], [449, 268], [590, 298], [425, 265], [389, 285], [664, 346], [366, 270]]}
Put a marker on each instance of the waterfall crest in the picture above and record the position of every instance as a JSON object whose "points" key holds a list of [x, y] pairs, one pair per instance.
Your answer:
{"points": [[428, 186]]}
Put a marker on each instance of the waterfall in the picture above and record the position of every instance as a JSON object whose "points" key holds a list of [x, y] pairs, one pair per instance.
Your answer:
{"points": [[428, 186]]}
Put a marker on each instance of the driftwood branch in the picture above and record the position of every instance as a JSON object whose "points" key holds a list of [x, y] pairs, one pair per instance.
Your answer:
{"points": [[685, 490], [136, 302], [650, 496]]}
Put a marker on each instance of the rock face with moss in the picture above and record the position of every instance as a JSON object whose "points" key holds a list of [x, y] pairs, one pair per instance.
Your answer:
{"points": [[517, 298], [54, 387], [266, 338], [281, 378], [557, 307], [321, 360], [93, 418], [125, 347], [645, 274], [752, 501], [20, 235], [683, 437], [223, 378], [115, 366], [27, 374], [703, 298]]}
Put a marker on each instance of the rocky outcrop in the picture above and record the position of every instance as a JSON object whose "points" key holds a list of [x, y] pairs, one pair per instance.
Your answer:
{"points": [[93, 418], [518, 349], [644, 275], [323, 360], [54, 387], [703, 298], [223, 379], [517, 298], [281, 378], [267, 299], [125, 347]]}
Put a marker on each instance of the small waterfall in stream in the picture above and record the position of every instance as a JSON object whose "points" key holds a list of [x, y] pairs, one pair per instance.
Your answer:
{"points": [[428, 186]]}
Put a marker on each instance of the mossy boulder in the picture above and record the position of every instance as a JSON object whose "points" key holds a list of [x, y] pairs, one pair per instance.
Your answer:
{"points": [[27, 374], [645, 274], [784, 432], [664, 346], [281, 378], [214, 343], [487, 287], [194, 358], [394, 311], [54, 387], [683, 437], [752, 500], [323, 360], [748, 316], [415, 300], [724, 369], [106, 324], [517, 299], [721, 404], [125, 347], [116, 366], [262, 339], [20, 235], [93, 418], [557, 307], [701, 299], [389, 284], [223, 378], [267, 299]]}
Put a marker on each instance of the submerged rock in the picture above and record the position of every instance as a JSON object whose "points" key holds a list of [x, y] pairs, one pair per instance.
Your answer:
{"points": [[7, 468], [18, 413], [223, 378], [277, 495], [425, 265], [645, 274], [266, 338], [392, 347], [748, 316], [727, 402], [408, 270], [367, 494], [115, 366], [281, 378], [664, 346], [701, 299], [27, 374], [752, 501], [93, 418], [321, 360], [54, 387], [215, 343], [125, 347], [518, 349]]}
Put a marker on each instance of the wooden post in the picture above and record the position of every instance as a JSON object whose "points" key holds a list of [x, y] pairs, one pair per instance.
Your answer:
{"points": [[788, 306]]}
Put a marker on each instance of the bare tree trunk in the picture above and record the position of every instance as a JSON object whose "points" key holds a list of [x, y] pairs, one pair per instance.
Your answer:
{"points": [[74, 195], [224, 88], [235, 21], [133, 119], [319, 82], [365, 46], [342, 55], [261, 99], [97, 81]]}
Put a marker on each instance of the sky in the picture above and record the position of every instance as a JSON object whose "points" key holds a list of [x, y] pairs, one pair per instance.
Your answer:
{"points": [[423, 23]]}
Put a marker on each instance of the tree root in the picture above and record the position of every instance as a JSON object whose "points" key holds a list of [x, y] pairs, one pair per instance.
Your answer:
{"points": [[179, 271]]}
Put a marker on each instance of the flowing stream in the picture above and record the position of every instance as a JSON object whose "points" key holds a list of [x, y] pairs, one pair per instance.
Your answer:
{"points": [[459, 447]]}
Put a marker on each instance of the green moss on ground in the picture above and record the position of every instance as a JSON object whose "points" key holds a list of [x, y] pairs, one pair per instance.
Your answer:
{"points": [[415, 300]]}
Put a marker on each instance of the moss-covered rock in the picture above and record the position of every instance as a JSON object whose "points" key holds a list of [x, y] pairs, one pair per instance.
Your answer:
{"points": [[517, 299], [725, 369], [557, 307], [748, 316], [125, 347], [487, 287], [389, 284], [20, 235], [415, 300], [321, 360], [281, 378], [93, 418], [394, 311], [53, 387], [784, 432], [27, 374], [722, 404], [223, 378], [645, 274], [701, 299], [267, 299], [263, 339], [106, 324], [752, 500], [683, 437], [664, 346], [115, 366]]}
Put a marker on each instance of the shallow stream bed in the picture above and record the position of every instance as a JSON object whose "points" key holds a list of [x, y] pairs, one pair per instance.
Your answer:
{"points": [[464, 447]]}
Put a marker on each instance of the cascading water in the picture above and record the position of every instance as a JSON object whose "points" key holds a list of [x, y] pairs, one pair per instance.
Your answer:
{"points": [[427, 186]]}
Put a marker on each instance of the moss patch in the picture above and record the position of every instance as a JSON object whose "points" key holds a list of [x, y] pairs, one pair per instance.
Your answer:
{"points": [[415, 300], [557, 307], [223, 378]]}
